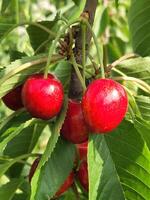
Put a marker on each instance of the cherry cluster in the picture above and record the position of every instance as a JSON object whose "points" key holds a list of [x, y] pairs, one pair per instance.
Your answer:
{"points": [[102, 108]]}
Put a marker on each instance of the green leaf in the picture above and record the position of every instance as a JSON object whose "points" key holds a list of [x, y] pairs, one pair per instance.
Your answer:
{"points": [[55, 129], [77, 2], [143, 103], [25, 141], [116, 48], [6, 164], [9, 135], [37, 39], [8, 190], [136, 67], [15, 73], [5, 4], [104, 22], [124, 165], [143, 127], [19, 196], [4, 29], [15, 55], [106, 183], [14, 120], [63, 73], [56, 170], [139, 24], [130, 157], [75, 11]]}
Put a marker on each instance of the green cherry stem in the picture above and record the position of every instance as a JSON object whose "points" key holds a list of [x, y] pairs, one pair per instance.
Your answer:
{"points": [[93, 63], [75, 65], [97, 48], [83, 28], [141, 84]]}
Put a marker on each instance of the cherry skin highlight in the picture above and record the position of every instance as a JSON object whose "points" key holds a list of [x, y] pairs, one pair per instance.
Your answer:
{"points": [[64, 187], [13, 99], [104, 105], [82, 150], [43, 98], [74, 128], [82, 175]]}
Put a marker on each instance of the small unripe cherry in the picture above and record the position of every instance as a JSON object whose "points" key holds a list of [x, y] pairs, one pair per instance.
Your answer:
{"points": [[104, 105], [13, 99], [64, 187], [82, 175], [74, 128], [82, 150], [43, 97]]}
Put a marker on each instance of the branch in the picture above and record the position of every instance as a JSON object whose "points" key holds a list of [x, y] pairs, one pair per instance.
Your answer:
{"points": [[75, 87]]}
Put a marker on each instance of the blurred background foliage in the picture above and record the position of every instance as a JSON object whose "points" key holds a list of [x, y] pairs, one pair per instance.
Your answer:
{"points": [[111, 25]]}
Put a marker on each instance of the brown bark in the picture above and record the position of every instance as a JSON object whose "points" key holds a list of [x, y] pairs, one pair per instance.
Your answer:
{"points": [[76, 90]]}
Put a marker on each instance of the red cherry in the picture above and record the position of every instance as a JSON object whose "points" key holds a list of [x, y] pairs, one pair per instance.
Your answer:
{"points": [[104, 105], [68, 182], [74, 128], [82, 175], [82, 150], [13, 99], [42, 97]]}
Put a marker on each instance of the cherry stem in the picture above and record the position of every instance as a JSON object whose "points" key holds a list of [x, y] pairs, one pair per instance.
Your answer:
{"points": [[117, 62], [97, 47], [143, 85], [83, 29], [75, 190], [54, 43], [93, 63], [75, 65], [26, 65]]}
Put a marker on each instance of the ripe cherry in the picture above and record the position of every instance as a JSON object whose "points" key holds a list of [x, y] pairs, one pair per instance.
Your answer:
{"points": [[74, 128], [104, 105], [82, 150], [42, 97], [68, 182], [82, 175], [13, 99]]}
